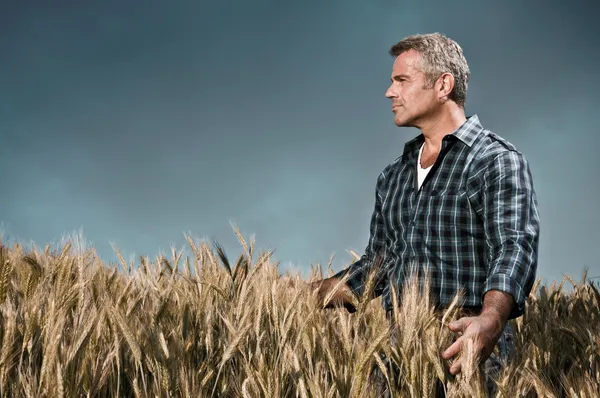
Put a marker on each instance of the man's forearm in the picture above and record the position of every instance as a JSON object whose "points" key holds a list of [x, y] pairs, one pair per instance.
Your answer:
{"points": [[499, 304]]}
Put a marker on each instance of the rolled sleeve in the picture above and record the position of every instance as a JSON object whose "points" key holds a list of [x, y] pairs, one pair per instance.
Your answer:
{"points": [[358, 272], [511, 222]]}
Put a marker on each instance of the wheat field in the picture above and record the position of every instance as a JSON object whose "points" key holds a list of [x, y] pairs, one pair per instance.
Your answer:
{"points": [[202, 326]]}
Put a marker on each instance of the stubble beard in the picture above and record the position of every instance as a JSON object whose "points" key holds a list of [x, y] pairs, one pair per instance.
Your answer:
{"points": [[409, 122]]}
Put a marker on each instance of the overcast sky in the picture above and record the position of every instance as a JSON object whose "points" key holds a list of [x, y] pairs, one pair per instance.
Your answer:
{"points": [[139, 121]]}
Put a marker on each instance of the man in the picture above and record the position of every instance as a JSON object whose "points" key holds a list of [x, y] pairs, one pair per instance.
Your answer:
{"points": [[459, 203]]}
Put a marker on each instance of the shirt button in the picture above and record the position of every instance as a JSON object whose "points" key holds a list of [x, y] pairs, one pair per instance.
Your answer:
{"points": [[412, 223]]}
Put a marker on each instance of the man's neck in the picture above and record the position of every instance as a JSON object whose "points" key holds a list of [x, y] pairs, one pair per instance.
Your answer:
{"points": [[445, 122]]}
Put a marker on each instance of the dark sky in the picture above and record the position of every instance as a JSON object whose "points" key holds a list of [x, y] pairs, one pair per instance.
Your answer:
{"points": [[139, 121]]}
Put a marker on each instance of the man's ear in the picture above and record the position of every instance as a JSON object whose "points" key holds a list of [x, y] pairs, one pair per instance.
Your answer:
{"points": [[444, 86]]}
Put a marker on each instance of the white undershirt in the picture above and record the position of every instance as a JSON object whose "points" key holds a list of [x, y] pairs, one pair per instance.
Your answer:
{"points": [[421, 172]]}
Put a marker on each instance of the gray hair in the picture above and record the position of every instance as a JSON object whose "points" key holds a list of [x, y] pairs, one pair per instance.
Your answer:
{"points": [[439, 55]]}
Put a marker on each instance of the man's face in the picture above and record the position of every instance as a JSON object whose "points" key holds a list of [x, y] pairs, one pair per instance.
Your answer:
{"points": [[411, 101]]}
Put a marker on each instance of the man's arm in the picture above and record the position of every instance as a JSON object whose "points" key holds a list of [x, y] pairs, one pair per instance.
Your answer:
{"points": [[511, 223], [498, 305]]}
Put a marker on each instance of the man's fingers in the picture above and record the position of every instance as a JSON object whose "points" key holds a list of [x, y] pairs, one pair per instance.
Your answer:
{"points": [[451, 352], [460, 324], [453, 349], [456, 367]]}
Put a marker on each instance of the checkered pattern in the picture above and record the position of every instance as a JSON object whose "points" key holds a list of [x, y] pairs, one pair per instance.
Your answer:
{"points": [[473, 224]]}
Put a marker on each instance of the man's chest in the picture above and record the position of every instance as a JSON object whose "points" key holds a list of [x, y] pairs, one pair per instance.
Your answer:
{"points": [[441, 200]]}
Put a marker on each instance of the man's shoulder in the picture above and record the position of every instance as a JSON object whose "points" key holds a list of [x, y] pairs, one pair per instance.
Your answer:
{"points": [[493, 145], [492, 151]]}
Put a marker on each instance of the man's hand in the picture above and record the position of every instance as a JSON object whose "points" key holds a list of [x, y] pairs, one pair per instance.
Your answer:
{"points": [[484, 329], [343, 296]]}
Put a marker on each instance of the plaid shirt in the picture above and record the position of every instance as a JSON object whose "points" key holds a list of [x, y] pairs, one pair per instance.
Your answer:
{"points": [[473, 224]]}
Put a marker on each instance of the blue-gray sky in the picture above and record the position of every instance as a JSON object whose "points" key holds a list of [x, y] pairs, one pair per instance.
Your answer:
{"points": [[139, 121]]}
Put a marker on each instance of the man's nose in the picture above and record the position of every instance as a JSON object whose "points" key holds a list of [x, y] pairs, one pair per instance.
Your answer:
{"points": [[390, 93]]}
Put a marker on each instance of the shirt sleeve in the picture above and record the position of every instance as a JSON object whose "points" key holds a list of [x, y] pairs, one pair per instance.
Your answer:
{"points": [[375, 251], [511, 223]]}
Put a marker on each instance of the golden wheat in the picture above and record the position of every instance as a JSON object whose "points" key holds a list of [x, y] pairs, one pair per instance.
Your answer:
{"points": [[199, 326]]}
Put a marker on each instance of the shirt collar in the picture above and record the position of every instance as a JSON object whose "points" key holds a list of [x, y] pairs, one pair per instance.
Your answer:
{"points": [[467, 133]]}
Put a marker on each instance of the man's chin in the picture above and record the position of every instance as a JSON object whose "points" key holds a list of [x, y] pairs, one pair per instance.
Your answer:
{"points": [[403, 123]]}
